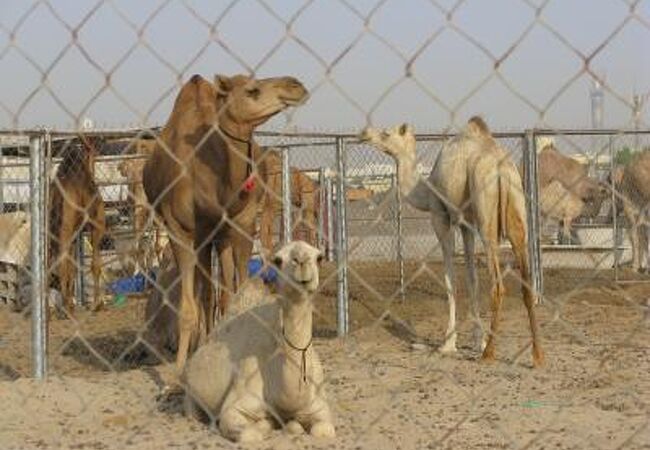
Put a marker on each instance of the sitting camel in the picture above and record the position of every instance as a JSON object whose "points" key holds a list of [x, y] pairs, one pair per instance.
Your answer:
{"points": [[304, 195], [260, 369], [202, 180], [474, 186], [74, 203]]}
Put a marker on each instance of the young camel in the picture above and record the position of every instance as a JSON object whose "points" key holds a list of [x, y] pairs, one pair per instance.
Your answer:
{"points": [[260, 369], [74, 203], [202, 180], [474, 186]]}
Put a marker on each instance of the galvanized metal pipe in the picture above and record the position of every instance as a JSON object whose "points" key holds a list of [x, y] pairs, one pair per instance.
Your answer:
{"points": [[38, 269], [341, 241], [400, 236], [532, 209], [286, 197], [616, 232], [321, 209], [329, 195]]}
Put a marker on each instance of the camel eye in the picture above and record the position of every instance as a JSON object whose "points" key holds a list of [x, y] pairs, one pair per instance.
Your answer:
{"points": [[296, 262], [253, 92]]}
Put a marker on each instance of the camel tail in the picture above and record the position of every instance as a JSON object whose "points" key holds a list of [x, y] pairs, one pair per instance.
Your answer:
{"points": [[504, 198]]}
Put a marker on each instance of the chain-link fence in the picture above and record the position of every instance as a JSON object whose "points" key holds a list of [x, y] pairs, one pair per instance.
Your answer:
{"points": [[228, 267]]}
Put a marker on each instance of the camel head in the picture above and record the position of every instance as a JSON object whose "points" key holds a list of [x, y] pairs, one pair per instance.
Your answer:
{"points": [[397, 141], [299, 263], [248, 101]]}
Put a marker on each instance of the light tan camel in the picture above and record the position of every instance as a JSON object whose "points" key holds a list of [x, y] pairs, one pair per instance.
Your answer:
{"points": [[148, 249], [203, 181], [473, 186], [260, 369], [572, 175], [559, 204], [304, 195], [633, 189], [74, 204]]}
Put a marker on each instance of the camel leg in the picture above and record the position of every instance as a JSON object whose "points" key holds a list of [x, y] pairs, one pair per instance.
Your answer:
{"points": [[226, 276], [445, 234], [634, 240], [491, 248], [66, 259], [643, 247], [98, 223], [206, 287], [517, 236], [266, 226], [472, 286], [189, 321]]}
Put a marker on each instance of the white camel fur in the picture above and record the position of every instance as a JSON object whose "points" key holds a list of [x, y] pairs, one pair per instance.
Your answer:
{"points": [[475, 186], [260, 369]]}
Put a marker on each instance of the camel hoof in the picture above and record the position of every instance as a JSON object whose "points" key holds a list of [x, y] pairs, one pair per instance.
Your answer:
{"points": [[322, 430], [168, 391], [448, 348], [294, 427]]}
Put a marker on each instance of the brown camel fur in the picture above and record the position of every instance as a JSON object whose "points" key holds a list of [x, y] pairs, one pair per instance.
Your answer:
{"points": [[74, 203], [203, 180], [304, 195], [473, 186], [633, 191]]}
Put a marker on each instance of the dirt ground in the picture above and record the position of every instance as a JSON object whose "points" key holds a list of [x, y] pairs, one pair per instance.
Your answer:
{"points": [[386, 392]]}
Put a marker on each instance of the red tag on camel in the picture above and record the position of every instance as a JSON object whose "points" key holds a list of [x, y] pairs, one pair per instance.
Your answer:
{"points": [[249, 184]]}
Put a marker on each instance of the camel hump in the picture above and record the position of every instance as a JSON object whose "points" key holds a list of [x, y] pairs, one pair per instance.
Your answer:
{"points": [[196, 78], [476, 125]]}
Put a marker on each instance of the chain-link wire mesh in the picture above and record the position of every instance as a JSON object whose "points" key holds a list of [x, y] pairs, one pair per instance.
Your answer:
{"points": [[156, 265]]}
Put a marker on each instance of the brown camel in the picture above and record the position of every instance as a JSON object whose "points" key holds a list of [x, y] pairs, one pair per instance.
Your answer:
{"points": [[203, 180], [633, 191], [74, 203], [473, 186], [304, 195]]}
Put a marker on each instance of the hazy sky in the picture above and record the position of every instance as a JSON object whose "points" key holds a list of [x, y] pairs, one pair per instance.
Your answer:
{"points": [[351, 54]]}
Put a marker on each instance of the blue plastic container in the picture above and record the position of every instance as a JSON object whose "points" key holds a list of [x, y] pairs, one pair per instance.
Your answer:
{"points": [[255, 266], [129, 285]]}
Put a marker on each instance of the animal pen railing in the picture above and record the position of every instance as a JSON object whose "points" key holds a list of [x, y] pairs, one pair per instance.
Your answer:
{"points": [[371, 227]]}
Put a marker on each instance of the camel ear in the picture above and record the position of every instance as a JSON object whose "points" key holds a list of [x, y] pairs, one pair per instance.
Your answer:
{"points": [[223, 84], [404, 128], [319, 258]]}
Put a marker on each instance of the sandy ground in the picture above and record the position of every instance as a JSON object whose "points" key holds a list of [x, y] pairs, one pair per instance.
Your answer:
{"points": [[594, 391]]}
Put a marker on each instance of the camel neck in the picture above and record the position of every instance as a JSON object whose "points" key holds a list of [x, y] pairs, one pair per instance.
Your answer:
{"points": [[297, 332], [237, 133], [297, 322], [411, 185]]}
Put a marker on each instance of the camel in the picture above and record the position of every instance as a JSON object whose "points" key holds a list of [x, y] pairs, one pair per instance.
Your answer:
{"points": [[148, 250], [559, 204], [304, 195], [202, 180], [554, 166], [631, 182], [260, 369], [473, 186], [74, 203]]}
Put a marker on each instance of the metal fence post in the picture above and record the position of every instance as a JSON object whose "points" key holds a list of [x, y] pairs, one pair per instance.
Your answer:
{"points": [[341, 241], [400, 236], [617, 237], [286, 197], [80, 284], [320, 231], [38, 182], [532, 209], [329, 199]]}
